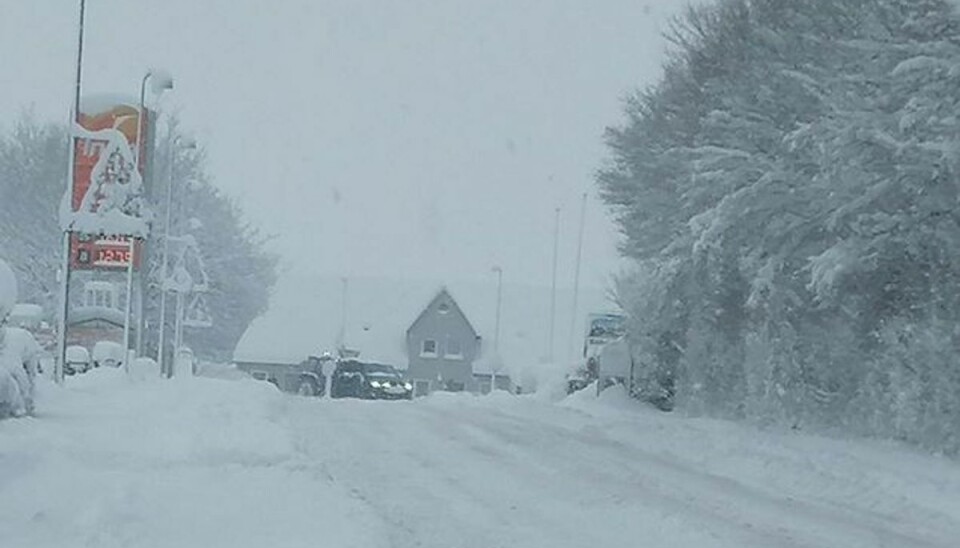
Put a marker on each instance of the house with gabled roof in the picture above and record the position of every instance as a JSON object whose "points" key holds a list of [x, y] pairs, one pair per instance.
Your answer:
{"points": [[441, 348], [311, 314]]}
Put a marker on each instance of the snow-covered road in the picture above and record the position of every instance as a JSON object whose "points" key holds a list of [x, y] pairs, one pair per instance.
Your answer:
{"points": [[228, 463]]}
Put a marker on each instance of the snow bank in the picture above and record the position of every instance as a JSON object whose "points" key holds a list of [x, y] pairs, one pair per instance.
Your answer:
{"points": [[114, 462], [111, 462], [547, 380]]}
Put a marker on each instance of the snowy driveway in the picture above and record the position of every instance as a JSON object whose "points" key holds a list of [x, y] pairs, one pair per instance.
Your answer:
{"points": [[226, 463]]}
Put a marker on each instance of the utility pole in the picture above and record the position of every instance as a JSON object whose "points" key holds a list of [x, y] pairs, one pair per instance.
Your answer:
{"points": [[576, 278], [553, 284], [496, 331], [341, 336], [67, 233]]}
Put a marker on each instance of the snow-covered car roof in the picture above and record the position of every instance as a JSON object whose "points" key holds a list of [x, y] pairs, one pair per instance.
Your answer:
{"points": [[107, 350], [77, 354]]}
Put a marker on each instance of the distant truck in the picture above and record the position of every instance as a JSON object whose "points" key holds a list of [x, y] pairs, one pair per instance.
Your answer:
{"points": [[602, 329], [305, 378]]}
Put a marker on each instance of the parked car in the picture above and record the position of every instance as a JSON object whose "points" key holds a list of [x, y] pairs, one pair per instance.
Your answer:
{"points": [[107, 354], [373, 381], [78, 360]]}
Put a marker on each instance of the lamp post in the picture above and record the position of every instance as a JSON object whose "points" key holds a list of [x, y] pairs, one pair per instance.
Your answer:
{"points": [[496, 332], [64, 311], [176, 144], [161, 82]]}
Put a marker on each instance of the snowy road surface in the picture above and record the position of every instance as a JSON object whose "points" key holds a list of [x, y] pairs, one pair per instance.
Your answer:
{"points": [[109, 462]]}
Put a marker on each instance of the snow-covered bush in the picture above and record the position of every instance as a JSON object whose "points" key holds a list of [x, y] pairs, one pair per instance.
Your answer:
{"points": [[19, 353]]}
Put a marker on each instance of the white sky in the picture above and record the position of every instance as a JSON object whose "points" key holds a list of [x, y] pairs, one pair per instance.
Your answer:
{"points": [[416, 139]]}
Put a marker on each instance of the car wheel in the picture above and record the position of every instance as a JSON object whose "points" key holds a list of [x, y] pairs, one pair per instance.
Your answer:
{"points": [[306, 388]]}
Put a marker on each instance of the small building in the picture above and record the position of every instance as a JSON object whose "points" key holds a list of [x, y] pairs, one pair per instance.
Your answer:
{"points": [[488, 371], [99, 317], [441, 348]]}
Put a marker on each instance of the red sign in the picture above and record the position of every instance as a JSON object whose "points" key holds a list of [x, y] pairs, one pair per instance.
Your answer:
{"points": [[103, 252], [94, 252]]}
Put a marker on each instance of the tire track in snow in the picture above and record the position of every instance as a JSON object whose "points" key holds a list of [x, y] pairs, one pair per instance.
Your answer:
{"points": [[796, 519]]}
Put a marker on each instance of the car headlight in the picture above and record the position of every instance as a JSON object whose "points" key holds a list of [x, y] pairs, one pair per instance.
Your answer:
{"points": [[375, 384], [408, 386]]}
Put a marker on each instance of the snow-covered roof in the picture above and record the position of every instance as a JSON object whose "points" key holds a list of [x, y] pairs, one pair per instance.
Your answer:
{"points": [[304, 318], [99, 285], [83, 314], [27, 311]]}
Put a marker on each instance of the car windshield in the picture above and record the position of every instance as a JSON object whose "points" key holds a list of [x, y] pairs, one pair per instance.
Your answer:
{"points": [[381, 371]]}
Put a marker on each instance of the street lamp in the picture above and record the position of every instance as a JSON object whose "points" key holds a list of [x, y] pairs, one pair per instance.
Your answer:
{"points": [[176, 144], [160, 81], [496, 332]]}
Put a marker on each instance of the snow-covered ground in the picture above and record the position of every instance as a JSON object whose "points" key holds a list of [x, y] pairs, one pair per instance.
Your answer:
{"points": [[216, 462]]}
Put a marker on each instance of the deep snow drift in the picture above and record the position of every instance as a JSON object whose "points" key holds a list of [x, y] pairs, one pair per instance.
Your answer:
{"points": [[214, 462]]}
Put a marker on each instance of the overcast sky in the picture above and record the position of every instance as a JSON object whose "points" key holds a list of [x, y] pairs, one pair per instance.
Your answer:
{"points": [[426, 139]]}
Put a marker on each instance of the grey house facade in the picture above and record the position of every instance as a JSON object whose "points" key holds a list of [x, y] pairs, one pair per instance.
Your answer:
{"points": [[441, 348]]}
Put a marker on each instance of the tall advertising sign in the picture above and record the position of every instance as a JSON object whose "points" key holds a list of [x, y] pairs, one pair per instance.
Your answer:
{"points": [[107, 206]]}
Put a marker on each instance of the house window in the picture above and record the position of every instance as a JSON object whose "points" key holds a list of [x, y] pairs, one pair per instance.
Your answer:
{"points": [[259, 375], [453, 350], [443, 308], [428, 348]]}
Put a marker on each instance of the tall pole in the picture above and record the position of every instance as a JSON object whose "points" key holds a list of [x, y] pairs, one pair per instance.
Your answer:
{"points": [[177, 330], [576, 278], [496, 332], [343, 315], [138, 145], [553, 284], [65, 252], [138, 148], [140, 117], [128, 353], [164, 263]]}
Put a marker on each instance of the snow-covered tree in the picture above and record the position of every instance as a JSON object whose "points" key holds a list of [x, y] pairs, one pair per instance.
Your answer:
{"points": [[33, 159], [797, 168]]}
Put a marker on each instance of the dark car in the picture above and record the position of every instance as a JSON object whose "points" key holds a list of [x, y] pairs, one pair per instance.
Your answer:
{"points": [[372, 381]]}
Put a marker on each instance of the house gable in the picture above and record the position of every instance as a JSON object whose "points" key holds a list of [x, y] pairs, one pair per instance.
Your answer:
{"points": [[441, 347], [437, 305]]}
